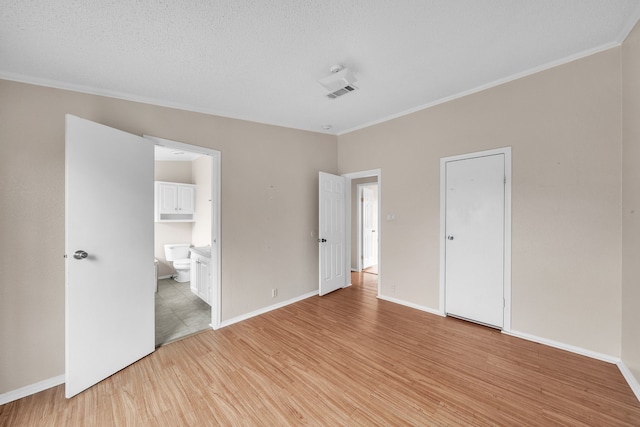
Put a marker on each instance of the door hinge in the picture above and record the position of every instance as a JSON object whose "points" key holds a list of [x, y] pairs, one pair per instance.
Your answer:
{"points": [[504, 303], [505, 179]]}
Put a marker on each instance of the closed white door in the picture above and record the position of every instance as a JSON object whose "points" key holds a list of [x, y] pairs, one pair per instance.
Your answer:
{"points": [[110, 273], [368, 228], [475, 245], [332, 233]]}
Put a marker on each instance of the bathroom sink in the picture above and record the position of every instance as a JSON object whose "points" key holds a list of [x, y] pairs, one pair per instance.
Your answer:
{"points": [[204, 251]]}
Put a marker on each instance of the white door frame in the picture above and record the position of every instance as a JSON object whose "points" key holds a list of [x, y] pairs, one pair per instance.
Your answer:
{"points": [[216, 293], [356, 175], [506, 151], [359, 222]]}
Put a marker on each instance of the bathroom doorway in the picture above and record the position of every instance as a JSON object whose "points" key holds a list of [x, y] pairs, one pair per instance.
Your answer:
{"points": [[182, 307]]}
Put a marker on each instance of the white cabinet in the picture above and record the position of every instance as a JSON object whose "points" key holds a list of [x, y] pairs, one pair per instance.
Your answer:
{"points": [[174, 201], [187, 199], [201, 277]]}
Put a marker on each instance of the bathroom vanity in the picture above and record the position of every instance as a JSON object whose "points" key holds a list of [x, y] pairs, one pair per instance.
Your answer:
{"points": [[201, 272]]}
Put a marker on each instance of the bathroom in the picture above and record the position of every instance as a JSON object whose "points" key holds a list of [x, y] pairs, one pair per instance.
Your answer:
{"points": [[179, 310]]}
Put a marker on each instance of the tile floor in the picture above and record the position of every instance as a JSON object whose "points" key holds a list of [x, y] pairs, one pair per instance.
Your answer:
{"points": [[179, 312]]}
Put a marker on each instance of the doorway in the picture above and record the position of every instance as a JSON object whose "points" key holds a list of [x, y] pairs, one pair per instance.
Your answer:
{"points": [[184, 307], [475, 232], [367, 225], [354, 249]]}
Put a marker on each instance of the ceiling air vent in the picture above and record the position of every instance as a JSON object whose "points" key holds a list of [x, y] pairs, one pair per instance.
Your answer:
{"points": [[339, 82], [340, 92]]}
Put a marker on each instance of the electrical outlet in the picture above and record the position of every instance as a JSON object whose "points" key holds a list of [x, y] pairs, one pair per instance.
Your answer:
{"points": [[274, 292]]}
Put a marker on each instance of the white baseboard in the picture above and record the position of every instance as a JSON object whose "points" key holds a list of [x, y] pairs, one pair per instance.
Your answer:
{"points": [[266, 309], [165, 277], [562, 346], [28, 390], [412, 305], [631, 380]]}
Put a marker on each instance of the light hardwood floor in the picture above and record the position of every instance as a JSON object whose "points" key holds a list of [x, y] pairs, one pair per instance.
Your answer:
{"points": [[346, 359]]}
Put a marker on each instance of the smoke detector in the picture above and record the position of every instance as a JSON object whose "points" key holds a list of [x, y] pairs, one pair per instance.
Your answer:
{"points": [[339, 82]]}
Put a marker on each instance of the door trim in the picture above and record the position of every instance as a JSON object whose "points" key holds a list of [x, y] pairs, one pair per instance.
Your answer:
{"points": [[506, 151], [351, 176], [216, 291]]}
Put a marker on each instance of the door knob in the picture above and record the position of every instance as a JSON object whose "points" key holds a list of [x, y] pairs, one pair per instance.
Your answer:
{"points": [[449, 237], [80, 255]]}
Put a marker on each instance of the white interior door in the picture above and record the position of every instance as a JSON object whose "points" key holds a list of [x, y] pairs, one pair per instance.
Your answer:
{"points": [[368, 228], [475, 244], [109, 299], [332, 232]]}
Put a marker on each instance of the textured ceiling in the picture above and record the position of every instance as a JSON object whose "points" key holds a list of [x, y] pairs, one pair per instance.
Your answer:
{"points": [[260, 60]]}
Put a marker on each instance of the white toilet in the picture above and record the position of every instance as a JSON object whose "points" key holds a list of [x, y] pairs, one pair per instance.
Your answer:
{"points": [[178, 254]]}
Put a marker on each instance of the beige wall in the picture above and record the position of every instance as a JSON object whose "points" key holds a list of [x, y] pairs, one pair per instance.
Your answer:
{"points": [[201, 177], [631, 203], [564, 127], [171, 232], [269, 212]]}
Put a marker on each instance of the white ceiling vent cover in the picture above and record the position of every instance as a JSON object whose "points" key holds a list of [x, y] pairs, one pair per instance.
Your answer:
{"points": [[339, 82]]}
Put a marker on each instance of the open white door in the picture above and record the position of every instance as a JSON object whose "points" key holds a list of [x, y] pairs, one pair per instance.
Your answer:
{"points": [[109, 299], [332, 235]]}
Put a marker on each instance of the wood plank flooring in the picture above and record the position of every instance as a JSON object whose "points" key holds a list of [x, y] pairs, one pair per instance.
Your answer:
{"points": [[346, 359]]}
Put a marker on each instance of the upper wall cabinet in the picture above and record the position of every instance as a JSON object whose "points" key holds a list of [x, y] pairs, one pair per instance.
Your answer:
{"points": [[175, 202]]}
